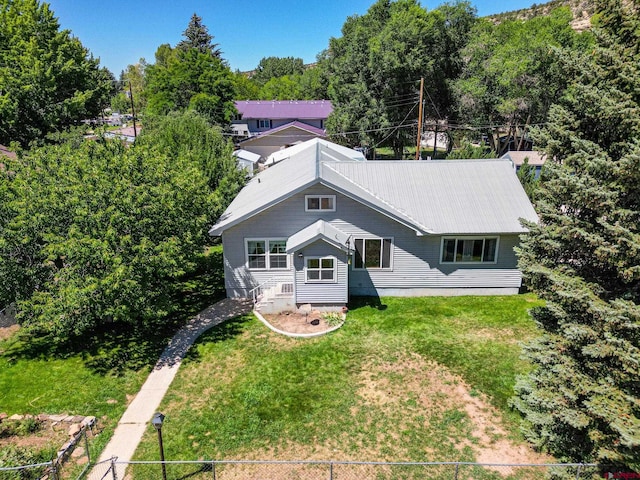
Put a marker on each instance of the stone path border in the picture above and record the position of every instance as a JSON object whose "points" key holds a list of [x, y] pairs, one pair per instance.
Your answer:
{"points": [[296, 335], [135, 419]]}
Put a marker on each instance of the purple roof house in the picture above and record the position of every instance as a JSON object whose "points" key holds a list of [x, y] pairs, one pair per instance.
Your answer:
{"points": [[266, 126]]}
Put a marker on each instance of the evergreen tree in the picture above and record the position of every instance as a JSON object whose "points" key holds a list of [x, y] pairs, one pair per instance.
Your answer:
{"points": [[191, 76], [581, 402], [197, 36]]}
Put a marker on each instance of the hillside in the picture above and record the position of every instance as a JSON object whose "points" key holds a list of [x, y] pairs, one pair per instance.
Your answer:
{"points": [[582, 11]]}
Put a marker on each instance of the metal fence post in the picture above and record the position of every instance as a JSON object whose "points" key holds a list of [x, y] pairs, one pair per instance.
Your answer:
{"points": [[54, 470], [330, 470], [114, 474], [457, 468], [578, 470], [213, 469], [86, 445]]}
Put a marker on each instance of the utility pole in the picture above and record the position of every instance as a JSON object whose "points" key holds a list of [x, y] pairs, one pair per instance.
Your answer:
{"points": [[133, 112], [420, 120]]}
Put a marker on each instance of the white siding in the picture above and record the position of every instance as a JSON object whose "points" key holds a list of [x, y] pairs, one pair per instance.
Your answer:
{"points": [[416, 262]]}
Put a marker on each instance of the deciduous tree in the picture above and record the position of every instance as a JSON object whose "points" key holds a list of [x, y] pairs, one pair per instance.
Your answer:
{"points": [[510, 76], [191, 76], [48, 80], [275, 67], [376, 66], [96, 233], [189, 136]]}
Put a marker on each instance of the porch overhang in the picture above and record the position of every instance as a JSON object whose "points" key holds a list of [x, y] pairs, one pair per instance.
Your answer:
{"points": [[319, 230]]}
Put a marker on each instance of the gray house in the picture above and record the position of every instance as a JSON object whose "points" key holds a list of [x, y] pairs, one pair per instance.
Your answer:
{"points": [[319, 227]]}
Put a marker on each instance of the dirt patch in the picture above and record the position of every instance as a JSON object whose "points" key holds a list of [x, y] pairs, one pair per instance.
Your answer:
{"points": [[49, 434], [298, 322], [8, 331], [438, 391], [412, 397]]}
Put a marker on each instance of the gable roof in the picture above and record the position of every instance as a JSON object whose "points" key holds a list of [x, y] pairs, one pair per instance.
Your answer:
{"points": [[430, 197], [283, 109], [319, 230], [331, 152], [246, 155], [517, 157], [302, 129]]}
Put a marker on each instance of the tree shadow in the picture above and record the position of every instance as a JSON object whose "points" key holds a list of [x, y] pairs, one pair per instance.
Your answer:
{"points": [[220, 333], [116, 347]]}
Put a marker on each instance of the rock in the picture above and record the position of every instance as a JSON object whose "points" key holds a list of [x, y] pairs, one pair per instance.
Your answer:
{"points": [[74, 429], [89, 421], [16, 417]]}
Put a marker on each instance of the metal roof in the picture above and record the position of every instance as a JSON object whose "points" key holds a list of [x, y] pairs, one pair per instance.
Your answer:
{"points": [[319, 230], [331, 151], [444, 196], [431, 197], [281, 109], [246, 155]]}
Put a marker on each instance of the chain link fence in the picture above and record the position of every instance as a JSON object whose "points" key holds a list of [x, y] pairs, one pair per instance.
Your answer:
{"points": [[72, 462], [333, 470]]}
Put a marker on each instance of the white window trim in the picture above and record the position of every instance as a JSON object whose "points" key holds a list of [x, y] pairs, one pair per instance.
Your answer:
{"points": [[306, 203], [320, 280], [385, 269], [462, 237], [267, 262]]}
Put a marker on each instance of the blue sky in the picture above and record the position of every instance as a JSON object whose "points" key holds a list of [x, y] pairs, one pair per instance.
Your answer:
{"points": [[120, 32]]}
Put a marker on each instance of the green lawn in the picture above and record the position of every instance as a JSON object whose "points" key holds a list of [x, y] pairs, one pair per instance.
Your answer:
{"points": [[98, 373], [390, 385]]}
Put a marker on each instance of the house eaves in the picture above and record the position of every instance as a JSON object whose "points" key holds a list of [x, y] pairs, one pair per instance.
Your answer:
{"points": [[319, 230]]}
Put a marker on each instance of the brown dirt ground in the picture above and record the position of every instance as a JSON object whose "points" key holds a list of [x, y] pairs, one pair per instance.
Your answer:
{"points": [[50, 434], [294, 322], [386, 385], [6, 332]]}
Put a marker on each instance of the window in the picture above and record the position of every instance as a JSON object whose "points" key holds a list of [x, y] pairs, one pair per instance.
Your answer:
{"points": [[267, 254], [320, 203], [320, 269], [264, 123], [469, 250], [371, 253]]}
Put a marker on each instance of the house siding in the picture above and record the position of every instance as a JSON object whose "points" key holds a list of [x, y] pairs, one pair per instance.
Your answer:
{"points": [[331, 293], [415, 266], [265, 145]]}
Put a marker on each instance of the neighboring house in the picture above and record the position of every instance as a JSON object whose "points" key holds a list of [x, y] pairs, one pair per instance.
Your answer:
{"points": [[309, 148], [265, 126], [4, 151], [126, 134], [319, 227], [247, 161], [535, 159]]}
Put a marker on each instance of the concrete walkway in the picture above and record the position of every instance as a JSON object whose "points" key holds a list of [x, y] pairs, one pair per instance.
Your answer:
{"points": [[136, 418]]}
